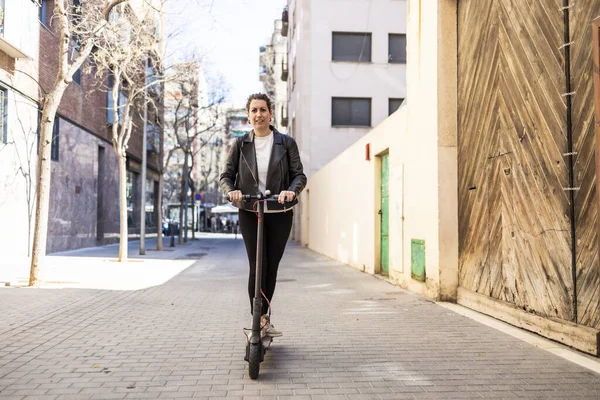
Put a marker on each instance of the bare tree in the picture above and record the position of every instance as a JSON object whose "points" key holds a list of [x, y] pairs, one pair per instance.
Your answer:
{"points": [[80, 25], [129, 45], [163, 155], [194, 117]]}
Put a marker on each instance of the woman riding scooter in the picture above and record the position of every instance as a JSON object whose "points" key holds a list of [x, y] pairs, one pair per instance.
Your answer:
{"points": [[262, 160]]}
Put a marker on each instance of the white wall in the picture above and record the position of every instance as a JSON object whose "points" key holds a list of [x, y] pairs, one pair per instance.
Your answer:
{"points": [[319, 78], [21, 26], [18, 172], [341, 207], [18, 157]]}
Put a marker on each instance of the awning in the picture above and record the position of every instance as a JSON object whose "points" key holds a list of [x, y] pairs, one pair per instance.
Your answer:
{"points": [[224, 208]]}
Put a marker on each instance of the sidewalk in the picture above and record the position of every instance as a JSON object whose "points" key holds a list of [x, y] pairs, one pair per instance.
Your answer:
{"points": [[347, 336], [97, 267]]}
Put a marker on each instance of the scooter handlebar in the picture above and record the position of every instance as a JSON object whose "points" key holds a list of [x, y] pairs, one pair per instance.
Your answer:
{"points": [[259, 196]]}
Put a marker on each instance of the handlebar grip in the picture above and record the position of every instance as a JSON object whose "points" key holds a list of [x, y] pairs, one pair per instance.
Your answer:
{"points": [[247, 197]]}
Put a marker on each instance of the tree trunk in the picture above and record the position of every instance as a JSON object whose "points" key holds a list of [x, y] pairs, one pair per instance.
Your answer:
{"points": [[42, 205], [193, 221], [182, 199], [185, 203], [193, 190], [124, 231]]}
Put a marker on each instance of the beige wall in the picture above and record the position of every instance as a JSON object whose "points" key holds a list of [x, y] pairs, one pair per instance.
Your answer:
{"points": [[340, 207]]}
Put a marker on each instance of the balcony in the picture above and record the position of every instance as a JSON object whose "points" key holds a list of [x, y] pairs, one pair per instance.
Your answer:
{"points": [[285, 22], [284, 71], [19, 33]]}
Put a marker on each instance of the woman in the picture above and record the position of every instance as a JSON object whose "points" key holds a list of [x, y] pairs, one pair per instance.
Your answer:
{"points": [[261, 160]]}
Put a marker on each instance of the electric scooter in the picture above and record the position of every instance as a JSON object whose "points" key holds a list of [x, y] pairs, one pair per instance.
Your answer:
{"points": [[257, 346]]}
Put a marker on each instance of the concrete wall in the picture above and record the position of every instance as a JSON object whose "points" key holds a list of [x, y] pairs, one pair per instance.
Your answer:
{"points": [[317, 78], [21, 26], [18, 172], [74, 196], [378, 80], [341, 205]]}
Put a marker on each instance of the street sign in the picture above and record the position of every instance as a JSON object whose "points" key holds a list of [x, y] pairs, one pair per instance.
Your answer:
{"points": [[198, 197]]}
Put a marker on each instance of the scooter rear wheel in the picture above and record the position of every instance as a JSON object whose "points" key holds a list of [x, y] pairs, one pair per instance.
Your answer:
{"points": [[254, 360]]}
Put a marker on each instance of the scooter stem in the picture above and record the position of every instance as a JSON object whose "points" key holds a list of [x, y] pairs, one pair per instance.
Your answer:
{"points": [[257, 307]]}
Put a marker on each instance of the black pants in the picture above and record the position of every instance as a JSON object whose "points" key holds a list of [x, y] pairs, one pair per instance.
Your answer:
{"points": [[277, 227]]}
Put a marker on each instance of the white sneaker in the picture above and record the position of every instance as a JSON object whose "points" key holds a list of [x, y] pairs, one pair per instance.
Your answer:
{"points": [[268, 329]]}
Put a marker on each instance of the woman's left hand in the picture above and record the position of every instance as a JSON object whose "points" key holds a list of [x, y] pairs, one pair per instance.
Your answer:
{"points": [[286, 196]]}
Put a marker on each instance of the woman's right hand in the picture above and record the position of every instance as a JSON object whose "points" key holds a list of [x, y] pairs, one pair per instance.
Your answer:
{"points": [[235, 195]]}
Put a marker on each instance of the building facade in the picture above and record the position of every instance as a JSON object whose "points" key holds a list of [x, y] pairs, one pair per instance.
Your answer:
{"points": [[19, 116], [84, 208], [274, 72], [482, 188], [84, 196], [346, 74]]}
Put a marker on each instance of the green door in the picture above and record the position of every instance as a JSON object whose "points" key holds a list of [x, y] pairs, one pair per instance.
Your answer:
{"points": [[384, 213]]}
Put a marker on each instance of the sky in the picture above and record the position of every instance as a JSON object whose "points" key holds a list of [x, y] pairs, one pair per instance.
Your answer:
{"points": [[226, 35]]}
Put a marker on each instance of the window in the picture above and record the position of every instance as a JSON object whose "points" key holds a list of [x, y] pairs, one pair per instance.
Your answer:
{"points": [[149, 198], [130, 191], [397, 48], [110, 116], [347, 111], [393, 105], [75, 47], [77, 76], [121, 101], [152, 137], [348, 46], [3, 115], [55, 131], [43, 11], [77, 11]]}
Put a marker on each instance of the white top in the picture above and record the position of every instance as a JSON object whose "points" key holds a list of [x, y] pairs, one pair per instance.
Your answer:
{"points": [[263, 147]]}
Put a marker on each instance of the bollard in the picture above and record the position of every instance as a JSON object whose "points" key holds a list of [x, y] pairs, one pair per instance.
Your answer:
{"points": [[172, 232]]}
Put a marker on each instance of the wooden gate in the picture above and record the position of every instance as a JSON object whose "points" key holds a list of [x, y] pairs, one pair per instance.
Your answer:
{"points": [[581, 59], [515, 222]]}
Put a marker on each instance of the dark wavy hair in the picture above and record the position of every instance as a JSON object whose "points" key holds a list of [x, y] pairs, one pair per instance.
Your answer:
{"points": [[259, 96]]}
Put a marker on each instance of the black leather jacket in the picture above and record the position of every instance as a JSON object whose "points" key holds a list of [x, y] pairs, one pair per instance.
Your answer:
{"points": [[285, 168]]}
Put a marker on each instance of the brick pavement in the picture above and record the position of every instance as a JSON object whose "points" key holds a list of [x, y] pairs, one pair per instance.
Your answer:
{"points": [[346, 336]]}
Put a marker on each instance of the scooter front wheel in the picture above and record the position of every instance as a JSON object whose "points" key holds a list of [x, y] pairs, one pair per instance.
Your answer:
{"points": [[254, 360]]}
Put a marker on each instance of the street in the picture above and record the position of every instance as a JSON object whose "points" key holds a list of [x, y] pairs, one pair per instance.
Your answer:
{"points": [[347, 335]]}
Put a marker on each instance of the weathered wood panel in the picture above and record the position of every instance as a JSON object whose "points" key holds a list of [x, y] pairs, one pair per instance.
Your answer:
{"points": [[578, 336], [514, 228], [581, 16]]}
